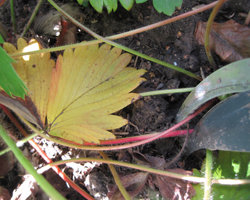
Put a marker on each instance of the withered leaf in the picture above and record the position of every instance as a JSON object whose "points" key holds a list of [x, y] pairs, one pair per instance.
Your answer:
{"points": [[133, 183], [230, 40], [171, 188]]}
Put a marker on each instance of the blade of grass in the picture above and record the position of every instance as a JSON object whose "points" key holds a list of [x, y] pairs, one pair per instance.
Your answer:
{"points": [[12, 13], [44, 184], [116, 178], [179, 69]]}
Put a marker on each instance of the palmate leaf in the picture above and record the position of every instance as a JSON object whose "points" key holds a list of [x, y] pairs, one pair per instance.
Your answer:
{"points": [[77, 97]]}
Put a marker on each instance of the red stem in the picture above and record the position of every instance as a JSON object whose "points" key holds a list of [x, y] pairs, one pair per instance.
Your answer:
{"points": [[140, 137], [44, 156]]}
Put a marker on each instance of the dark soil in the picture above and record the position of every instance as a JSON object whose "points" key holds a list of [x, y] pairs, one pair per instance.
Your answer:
{"points": [[173, 43]]}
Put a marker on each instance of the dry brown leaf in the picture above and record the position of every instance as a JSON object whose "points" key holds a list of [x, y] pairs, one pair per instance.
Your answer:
{"points": [[175, 189], [133, 183], [230, 40], [170, 188]]}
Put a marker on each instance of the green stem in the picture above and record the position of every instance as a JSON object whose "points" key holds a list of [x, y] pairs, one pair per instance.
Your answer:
{"points": [[208, 175], [44, 184], [121, 46], [133, 166], [190, 178], [19, 143], [38, 5], [12, 12], [121, 35], [116, 178], [169, 91], [208, 30]]}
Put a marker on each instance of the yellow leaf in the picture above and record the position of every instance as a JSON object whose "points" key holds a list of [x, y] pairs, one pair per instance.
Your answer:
{"points": [[77, 97], [36, 73]]}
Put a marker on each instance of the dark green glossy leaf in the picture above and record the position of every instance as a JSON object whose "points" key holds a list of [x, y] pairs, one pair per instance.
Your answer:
{"points": [[166, 6], [228, 165], [225, 127], [9, 80], [127, 4], [229, 79]]}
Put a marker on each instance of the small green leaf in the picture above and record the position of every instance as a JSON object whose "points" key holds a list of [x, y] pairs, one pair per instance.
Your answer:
{"points": [[229, 79], [166, 6], [80, 2], [140, 1], [97, 5], [111, 5], [1, 39], [228, 165], [127, 4], [9, 80]]}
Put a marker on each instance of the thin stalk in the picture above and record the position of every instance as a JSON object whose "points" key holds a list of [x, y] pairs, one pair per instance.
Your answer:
{"points": [[141, 137], [12, 13], [168, 91], [208, 175], [130, 165], [38, 5], [44, 184], [208, 30], [116, 178], [118, 147], [162, 23], [190, 178], [19, 143], [121, 35], [179, 69]]}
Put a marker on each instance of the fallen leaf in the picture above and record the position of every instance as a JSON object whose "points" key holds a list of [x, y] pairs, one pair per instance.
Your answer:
{"points": [[229, 40], [76, 98], [170, 188], [133, 183], [176, 189]]}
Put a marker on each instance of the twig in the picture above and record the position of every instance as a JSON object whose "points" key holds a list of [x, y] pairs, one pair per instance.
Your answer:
{"points": [[38, 5], [92, 33], [179, 154], [208, 30]]}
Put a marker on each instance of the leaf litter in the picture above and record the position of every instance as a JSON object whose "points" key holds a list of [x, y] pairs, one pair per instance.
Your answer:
{"points": [[230, 40]]}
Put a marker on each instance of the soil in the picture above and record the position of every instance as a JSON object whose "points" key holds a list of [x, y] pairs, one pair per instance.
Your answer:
{"points": [[173, 43]]}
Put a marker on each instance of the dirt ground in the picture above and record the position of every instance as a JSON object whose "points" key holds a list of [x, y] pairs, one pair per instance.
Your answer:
{"points": [[173, 43]]}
